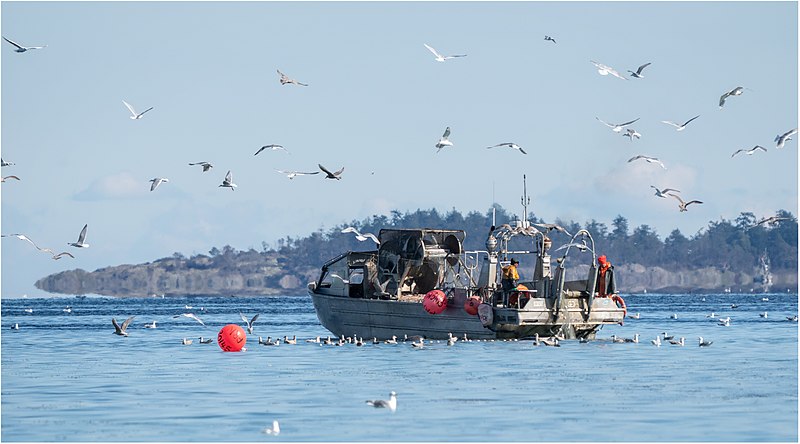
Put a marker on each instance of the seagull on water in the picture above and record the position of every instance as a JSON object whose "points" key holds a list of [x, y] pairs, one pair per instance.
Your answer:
{"points": [[420, 344], [750, 151], [648, 159], [681, 341], [249, 323], [663, 193], [337, 175], [763, 315], [228, 181], [442, 58], [616, 127], [634, 340], [293, 174], [444, 141], [285, 79], [275, 430], [15, 327], [156, 181], [391, 404], [510, 145], [667, 338], [204, 340], [190, 316], [134, 114], [206, 166], [21, 48], [725, 322], [682, 204], [704, 343], [783, 138], [605, 70], [9, 177], [186, 341], [635, 316], [734, 92], [656, 341], [150, 325], [121, 329], [81, 243], [673, 316], [550, 39], [272, 147], [679, 127], [638, 73], [360, 236]]}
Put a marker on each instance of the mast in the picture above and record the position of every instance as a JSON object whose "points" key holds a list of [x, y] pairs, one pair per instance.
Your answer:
{"points": [[525, 201]]}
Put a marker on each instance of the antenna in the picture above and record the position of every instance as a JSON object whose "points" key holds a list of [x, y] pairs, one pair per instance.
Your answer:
{"points": [[525, 201]]}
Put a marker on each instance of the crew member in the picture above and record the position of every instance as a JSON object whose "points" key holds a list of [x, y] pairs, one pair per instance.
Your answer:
{"points": [[510, 276], [605, 277]]}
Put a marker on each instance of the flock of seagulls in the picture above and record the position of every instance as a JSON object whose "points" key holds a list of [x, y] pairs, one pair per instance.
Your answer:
{"points": [[80, 243]]}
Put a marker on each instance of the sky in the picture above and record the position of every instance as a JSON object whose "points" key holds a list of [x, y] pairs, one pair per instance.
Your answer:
{"points": [[376, 104]]}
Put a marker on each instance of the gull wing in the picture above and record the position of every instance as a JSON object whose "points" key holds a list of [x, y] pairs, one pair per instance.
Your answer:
{"points": [[433, 51], [637, 157], [252, 321], [604, 122], [324, 170], [628, 123], [373, 237], [126, 323], [9, 41], [339, 173], [117, 328], [693, 201], [722, 99], [446, 133], [669, 122], [687, 122], [350, 230], [62, 254], [789, 133], [677, 197], [229, 177], [148, 109], [130, 108], [639, 71], [82, 236], [737, 152], [260, 150]]}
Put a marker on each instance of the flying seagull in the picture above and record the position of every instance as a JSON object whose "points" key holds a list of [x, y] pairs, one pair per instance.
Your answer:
{"points": [[156, 181], [616, 127], [679, 127], [81, 243], [734, 92], [62, 254], [444, 141], [750, 151], [120, 329], [206, 166], [272, 147], [337, 175], [3, 163], [293, 174], [228, 181], [782, 138], [21, 48], [582, 246], [548, 38], [250, 322], [190, 316], [27, 239], [648, 159], [9, 177], [441, 58], [681, 204], [632, 133], [285, 79], [638, 73], [663, 193], [360, 236], [551, 227], [391, 404], [134, 114], [772, 220], [510, 145], [606, 70]]}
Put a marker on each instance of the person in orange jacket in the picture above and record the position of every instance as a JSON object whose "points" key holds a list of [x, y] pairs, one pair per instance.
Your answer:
{"points": [[605, 277]]}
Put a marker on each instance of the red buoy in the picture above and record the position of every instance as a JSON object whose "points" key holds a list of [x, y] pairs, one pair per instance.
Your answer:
{"points": [[231, 338], [471, 305], [435, 302]]}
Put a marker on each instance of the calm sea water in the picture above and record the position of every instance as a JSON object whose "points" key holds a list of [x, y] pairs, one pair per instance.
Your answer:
{"points": [[66, 377]]}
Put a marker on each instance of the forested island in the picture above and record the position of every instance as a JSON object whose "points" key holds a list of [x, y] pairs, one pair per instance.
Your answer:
{"points": [[723, 256]]}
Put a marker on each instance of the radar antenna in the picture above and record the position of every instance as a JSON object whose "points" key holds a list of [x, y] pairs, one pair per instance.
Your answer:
{"points": [[526, 200]]}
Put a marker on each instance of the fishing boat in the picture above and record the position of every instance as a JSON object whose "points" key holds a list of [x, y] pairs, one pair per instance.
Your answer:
{"points": [[421, 282]]}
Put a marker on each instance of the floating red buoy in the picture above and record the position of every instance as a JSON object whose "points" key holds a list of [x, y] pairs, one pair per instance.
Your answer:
{"points": [[471, 305], [231, 338], [435, 302]]}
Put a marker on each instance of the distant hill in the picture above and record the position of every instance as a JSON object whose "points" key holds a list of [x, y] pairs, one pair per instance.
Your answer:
{"points": [[725, 255]]}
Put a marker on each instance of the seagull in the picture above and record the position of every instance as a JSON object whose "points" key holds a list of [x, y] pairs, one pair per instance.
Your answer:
{"points": [[663, 193], [551, 341], [614, 126], [791, 318], [419, 344], [337, 175], [292, 341], [15, 327], [3, 163], [391, 341], [120, 329], [228, 181], [62, 254], [156, 182], [782, 138], [190, 316], [275, 430], [635, 339], [734, 92], [272, 147], [763, 315], [510, 145], [444, 141], [656, 341], [750, 151], [635, 316], [772, 220], [81, 243], [361, 237], [638, 73], [606, 70], [548, 38], [285, 79], [441, 58], [9, 177], [293, 174], [250, 322], [648, 159], [391, 404], [151, 325], [206, 166], [67, 310], [26, 238], [734, 305], [712, 315], [134, 114], [673, 316], [679, 127], [186, 341], [204, 340], [681, 341], [704, 343], [314, 340], [632, 133], [682, 205], [551, 227], [21, 48], [667, 338]]}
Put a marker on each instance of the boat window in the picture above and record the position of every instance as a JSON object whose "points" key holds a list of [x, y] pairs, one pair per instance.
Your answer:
{"points": [[356, 276], [336, 274]]}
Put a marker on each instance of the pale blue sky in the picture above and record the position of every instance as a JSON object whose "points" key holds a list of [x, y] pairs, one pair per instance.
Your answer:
{"points": [[378, 102]]}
